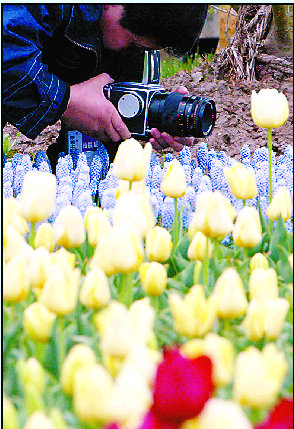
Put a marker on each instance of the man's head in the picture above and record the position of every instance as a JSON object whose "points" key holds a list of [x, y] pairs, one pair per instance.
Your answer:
{"points": [[153, 26]]}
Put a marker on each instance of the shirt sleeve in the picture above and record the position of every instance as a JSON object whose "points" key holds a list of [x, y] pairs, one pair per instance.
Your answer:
{"points": [[32, 97]]}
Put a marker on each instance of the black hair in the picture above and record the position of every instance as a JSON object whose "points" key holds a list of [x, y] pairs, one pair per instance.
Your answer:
{"points": [[174, 26]]}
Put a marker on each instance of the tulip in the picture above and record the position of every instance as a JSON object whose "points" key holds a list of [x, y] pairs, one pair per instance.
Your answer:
{"points": [[241, 181], [174, 182], [44, 237], [158, 244], [63, 257], [12, 215], [269, 108], [153, 276], [39, 420], [254, 322], [142, 316], [194, 315], [39, 267], [263, 283], [229, 293], [259, 376], [134, 209], [60, 291], [281, 204], [290, 260], [68, 228], [153, 421], [197, 248], [213, 215], [79, 356], [96, 224], [37, 197], [10, 417], [32, 374], [258, 261], [182, 386], [95, 292], [13, 243], [132, 160], [38, 322], [93, 388], [280, 417], [221, 414], [247, 229], [144, 361], [15, 280]]}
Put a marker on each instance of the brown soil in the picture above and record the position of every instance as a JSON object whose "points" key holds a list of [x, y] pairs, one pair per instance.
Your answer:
{"points": [[234, 126]]}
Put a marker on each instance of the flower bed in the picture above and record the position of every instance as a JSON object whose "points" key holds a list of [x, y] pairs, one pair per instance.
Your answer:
{"points": [[169, 306]]}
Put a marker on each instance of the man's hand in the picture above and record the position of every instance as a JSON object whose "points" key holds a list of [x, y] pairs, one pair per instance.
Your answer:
{"points": [[91, 113], [163, 140]]}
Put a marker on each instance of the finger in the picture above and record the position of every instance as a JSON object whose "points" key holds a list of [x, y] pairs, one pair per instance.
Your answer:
{"points": [[120, 127], [104, 79], [186, 141], [170, 141], [155, 144], [158, 137], [182, 90]]}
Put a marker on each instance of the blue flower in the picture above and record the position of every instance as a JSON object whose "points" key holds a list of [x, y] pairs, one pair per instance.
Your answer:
{"points": [[196, 178], [108, 200], [62, 169], [211, 155], [157, 177], [16, 160], [3, 159], [245, 153], [191, 196], [83, 201], [202, 156], [168, 157], [27, 163], [8, 173], [167, 212], [45, 167], [185, 156], [7, 190], [18, 180]]}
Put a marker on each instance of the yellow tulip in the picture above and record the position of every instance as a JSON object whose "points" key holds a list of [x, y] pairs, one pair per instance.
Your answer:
{"points": [[241, 181], [39, 420], [44, 237], [132, 160], [37, 197], [79, 355], [174, 182], [15, 280], [92, 391], [68, 228], [10, 417], [229, 293], [194, 315], [158, 244], [247, 229], [39, 267], [259, 376], [263, 283], [32, 374], [254, 322], [214, 214], [12, 215], [258, 261], [96, 224], [95, 292], [269, 108], [197, 247], [63, 257], [144, 361], [14, 244], [134, 209], [281, 204], [222, 414], [38, 321], [153, 276]]}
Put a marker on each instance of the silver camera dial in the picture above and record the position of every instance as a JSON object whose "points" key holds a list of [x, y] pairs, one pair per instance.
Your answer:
{"points": [[130, 105]]}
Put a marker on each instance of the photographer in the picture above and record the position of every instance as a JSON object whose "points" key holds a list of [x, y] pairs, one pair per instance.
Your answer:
{"points": [[57, 59]]}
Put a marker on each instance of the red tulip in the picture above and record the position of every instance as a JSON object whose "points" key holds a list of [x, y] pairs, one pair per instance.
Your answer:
{"points": [[182, 386], [152, 421], [281, 417]]}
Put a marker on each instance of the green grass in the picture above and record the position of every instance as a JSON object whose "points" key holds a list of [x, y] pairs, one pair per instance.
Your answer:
{"points": [[170, 65], [8, 144]]}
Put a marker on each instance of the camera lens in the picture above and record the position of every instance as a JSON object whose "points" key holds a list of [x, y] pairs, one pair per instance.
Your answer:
{"points": [[182, 115]]}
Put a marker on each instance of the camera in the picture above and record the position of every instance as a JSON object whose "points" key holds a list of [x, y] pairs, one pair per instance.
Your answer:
{"points": [[147, 105]]}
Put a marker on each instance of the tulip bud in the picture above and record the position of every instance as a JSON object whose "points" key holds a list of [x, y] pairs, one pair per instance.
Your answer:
{"points": [[263, 283], [174, 182], [269, 108], [241, 181], [259, 376], [247, 229], [93, 388], [197, 247], [95, 292], [10, 417], [37, 197], [68, 228], [39, 267], [258, 261], [13, 243], [254, 322], [39, 420], [63, 257], [276, 313], [15, 279], [158, 244], [132, 160], [44, 237], [281, 204], [96, 224], [38, 321], [153, 277], [213, 215], [79, 355], [32, 375], [12, 215], [222, 414], [229, 293]]}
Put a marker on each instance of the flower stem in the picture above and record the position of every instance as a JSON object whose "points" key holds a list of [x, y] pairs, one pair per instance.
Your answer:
{"points": [[269, 134], [32, 234], [176, 232], [206, 264], [60, 342], [126, 289]]}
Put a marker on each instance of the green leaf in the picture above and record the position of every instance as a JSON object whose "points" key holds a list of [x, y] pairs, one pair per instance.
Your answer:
{"points": [[186, 275], [283, 267], [182, 247], [279, 237]]}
